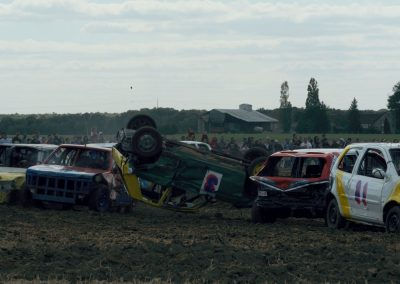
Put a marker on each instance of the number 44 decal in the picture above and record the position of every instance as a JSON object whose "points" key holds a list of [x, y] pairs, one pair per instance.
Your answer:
{"points": [[361, 197]]}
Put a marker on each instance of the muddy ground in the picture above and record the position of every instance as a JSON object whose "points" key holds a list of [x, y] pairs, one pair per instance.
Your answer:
{"points": [[217, 244]]}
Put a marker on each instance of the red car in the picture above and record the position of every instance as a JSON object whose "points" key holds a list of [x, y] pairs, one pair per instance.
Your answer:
{"points": [[78, 174], [293, 183]]}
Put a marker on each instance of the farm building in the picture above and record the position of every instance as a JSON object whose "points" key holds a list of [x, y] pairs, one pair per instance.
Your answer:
{"points": [[380, 121], [243, 119]]}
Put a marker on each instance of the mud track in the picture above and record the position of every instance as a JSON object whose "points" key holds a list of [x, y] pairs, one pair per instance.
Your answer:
{"points": [[217, 244]]}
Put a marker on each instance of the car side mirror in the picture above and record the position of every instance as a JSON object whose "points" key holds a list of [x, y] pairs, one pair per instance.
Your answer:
{"points": [[378, 173]]}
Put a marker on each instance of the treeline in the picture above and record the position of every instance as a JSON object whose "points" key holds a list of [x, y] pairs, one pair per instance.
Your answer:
{"points": [[169, 121]]}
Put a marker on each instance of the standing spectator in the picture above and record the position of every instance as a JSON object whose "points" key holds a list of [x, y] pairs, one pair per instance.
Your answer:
{"points": [[35, 138], [56, 140], [324, 142], [221, 144], [204, 138], [100, 138], [17, 139], [4, 139], [316, 142], [191, 136], [214, 143], [287, 145]]}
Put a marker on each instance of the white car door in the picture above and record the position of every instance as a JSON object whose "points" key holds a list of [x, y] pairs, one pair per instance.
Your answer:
{"points": [[343, 177], [366, 189]]}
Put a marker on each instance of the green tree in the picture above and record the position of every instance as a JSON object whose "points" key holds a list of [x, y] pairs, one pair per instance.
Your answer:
{"points": [[394, 106], [353, 118], [285, 109], [312, 101], [314, 118]]}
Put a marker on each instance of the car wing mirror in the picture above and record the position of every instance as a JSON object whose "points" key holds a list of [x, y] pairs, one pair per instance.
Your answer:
{"points": [[378, 173]]}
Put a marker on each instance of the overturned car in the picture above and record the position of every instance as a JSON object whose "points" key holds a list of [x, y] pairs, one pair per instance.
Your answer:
{"points": [[170, 174], [293, 184]]}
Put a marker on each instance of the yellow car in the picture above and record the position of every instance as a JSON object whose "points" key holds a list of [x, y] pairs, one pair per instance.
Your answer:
{"points": [[14, 160]]}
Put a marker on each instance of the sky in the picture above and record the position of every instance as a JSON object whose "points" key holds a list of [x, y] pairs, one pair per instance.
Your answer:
{"points": [[72, 56]]}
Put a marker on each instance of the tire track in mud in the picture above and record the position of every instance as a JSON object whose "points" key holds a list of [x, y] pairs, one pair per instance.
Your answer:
{"points": [[217, 244]]}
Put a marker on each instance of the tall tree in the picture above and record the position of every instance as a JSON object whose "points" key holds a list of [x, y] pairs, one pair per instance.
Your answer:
{"points": [[312, 100], [394, 106], [314, 118], [285, 110], [353, 118]]}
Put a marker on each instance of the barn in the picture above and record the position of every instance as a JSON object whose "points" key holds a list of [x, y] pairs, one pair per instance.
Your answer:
{"points": [[244, 119]]}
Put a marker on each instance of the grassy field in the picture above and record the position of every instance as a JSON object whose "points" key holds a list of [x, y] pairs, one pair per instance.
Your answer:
{"points": [[218, 244]]}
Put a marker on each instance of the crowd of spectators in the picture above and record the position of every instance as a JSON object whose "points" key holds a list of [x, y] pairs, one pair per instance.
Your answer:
{"points": [[234, 147], [36, 138]]}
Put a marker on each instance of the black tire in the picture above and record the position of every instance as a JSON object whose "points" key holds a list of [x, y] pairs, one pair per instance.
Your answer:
{"points": [[261, 215], [392, 222], [255, 165], [141, 120], [333, 218], [100, 199], [147, 143], [254, 153], [13, 197], [25, 198]]}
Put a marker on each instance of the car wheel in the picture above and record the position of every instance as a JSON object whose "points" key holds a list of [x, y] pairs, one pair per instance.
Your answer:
{"points": [[254, 153], [147, 142], [139, 121], [392, 221], [260, 215], [25, 198], [333, 218], [256, 165], [13, 196], [100, 199]]}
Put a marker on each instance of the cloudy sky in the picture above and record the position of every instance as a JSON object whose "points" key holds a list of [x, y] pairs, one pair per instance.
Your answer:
{"points": [[83, 55]]}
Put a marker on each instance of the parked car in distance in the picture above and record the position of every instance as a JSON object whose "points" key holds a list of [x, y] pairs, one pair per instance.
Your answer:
{"points": [[14, 160], [366, 187], [78, 174], [198, 145], [293, 184]]}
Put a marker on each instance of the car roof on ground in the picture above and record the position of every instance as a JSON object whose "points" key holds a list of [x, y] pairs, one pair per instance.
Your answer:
{"points": [[36, 146]]}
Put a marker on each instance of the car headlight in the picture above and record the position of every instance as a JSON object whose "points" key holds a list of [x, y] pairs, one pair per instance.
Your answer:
{"points": [[98, 178]]}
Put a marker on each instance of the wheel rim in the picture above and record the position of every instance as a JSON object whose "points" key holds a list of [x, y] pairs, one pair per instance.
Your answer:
{"points": [[257, 168], [146, 143], [102, 201], [393, 223], [332, 217]]}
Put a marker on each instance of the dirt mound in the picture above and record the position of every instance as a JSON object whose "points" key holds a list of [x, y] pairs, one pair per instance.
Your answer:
{"points": [[217, 244]]}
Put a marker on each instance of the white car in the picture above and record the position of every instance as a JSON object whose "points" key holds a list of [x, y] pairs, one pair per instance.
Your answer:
{"points": [[365, 186]]}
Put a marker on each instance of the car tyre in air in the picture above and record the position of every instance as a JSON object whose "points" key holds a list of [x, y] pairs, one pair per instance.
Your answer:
{"points": [[392, 221], [147, 142], [100, 199], [141, 120], [256, 165], [260, 215], [254, 153], [333, 218]]}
